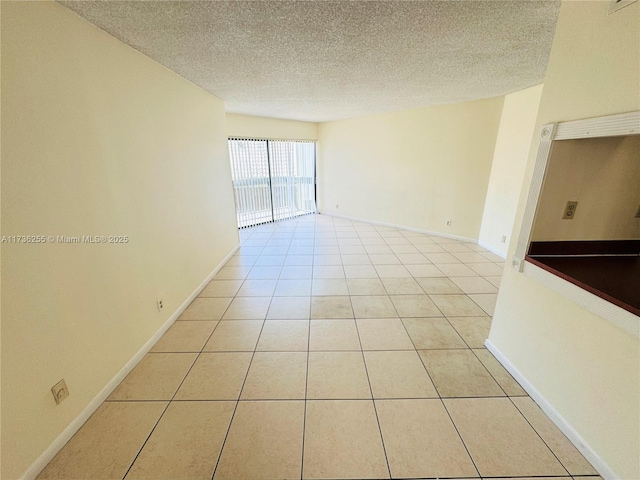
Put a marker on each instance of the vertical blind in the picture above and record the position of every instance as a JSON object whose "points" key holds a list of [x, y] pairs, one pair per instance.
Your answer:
{"points": [[272, 179]]}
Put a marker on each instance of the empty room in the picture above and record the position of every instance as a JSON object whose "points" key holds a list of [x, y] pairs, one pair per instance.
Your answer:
{"points": [[320, 239]]}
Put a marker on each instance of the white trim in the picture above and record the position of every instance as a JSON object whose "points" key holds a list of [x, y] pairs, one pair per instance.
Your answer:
{"points": [[45, 457], [544, 149], [565, 427], [609, 126], [401, 227], [620, 317], [492, 249]]}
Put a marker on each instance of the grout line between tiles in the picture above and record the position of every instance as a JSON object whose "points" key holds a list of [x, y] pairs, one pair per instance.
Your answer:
{"points": [[373, 400], [306, 384]]}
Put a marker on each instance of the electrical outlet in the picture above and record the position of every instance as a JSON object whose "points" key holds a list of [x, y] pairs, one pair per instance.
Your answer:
{"points": [[337, 206], [160, 305], [448, 223], [570, 210], [60, 391], [504, 238]]}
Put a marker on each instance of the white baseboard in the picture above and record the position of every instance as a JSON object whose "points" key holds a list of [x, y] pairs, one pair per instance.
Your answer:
{"points": [[565, 427], [43, 460], [401, 227], [492, 249]]}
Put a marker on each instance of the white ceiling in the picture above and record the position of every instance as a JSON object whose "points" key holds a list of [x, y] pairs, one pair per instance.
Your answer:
{"points": [[326, 60]]}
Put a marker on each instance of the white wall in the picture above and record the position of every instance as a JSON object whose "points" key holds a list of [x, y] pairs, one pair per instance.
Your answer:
{"points": [[517, 126], [415, 168], [603, 176], [97, 139], [586, 368], [261, 127]]}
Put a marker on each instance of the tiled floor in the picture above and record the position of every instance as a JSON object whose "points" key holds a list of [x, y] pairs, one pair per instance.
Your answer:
{"points": [[327, 349]]}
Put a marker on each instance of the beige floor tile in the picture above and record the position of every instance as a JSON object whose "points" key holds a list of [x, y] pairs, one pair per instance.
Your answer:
{"points": [[241, 261], [270, 260], [337, 375], [356, 260], [457, 306], [398, 374], [329, 286], [298, 260], [264, 272], [283, 308], [494, 280], [458, 373], [186, 443], [492, 257], [474, 285], [486, 301], [107, 443], [365, 286], [235, 336], [326, 250], [215, 376], [412, 258], [402, 286], [327, 260], [296, 272], [328, 271], [384, 259], [284, 336], [474, 330], [469, 257], [560, 445], [415, 306], [264, 442], [221, 288], [383, 334], [430, 248], [456, 248], [185, 336], [486, 269], [440, 258], [438, 285], [331, 307], [232, 273], [421, 441], [425, 271], [392, 271], [257, 288], [293, 288], [156, 377], [360, 271], [456, 270], [378, 250], [504, 378], [277, 376], [352, 250], [432, 333], [334, 334], [342, 440], [206, 309], [378, 306], [500, 440], [248, 308]]}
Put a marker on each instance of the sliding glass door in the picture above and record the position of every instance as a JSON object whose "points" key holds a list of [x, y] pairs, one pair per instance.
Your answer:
{"points": [[272, 179]]}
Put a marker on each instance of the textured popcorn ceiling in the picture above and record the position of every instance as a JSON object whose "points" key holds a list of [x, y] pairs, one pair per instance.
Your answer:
{"points": [[324, 60]]}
